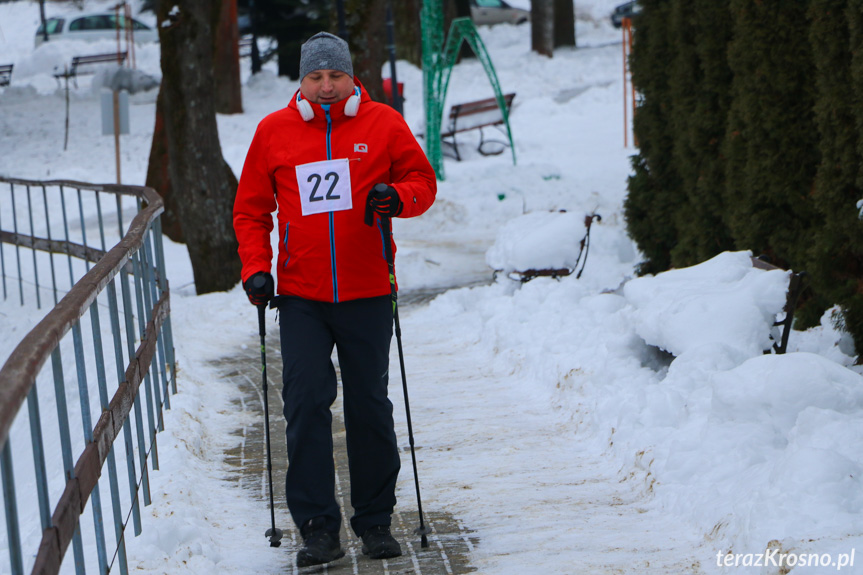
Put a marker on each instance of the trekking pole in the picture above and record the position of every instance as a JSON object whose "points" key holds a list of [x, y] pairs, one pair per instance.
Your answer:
{"points": [[273, 533], [386, 226]]}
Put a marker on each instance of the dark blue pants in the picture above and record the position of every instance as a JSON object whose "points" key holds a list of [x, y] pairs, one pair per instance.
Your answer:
{"points": [[361, 331]]}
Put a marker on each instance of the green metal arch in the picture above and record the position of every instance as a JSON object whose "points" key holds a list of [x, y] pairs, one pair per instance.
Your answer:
{"points": [[438, 62], [464, 30]]}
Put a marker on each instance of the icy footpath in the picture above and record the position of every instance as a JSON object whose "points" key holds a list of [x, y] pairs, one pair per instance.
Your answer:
{"points": [[570, 437], [515, 467]]}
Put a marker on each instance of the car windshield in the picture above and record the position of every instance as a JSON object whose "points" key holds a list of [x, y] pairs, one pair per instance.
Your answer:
{"points": [[104, 22], [99, 22], [135, 24], [54, 25], [489, 3]]}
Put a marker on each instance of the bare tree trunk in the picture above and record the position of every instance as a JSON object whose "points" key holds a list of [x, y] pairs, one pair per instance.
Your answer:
{"points": [[226, 58], [158, 177], [366, 21], [201, 180], [450, 12], [542, 27], [462, 10], [289, 53], [564, 23], [406, 14]]}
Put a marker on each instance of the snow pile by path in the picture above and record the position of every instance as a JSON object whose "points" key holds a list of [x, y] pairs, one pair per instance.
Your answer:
{"points": [[724, 300], [745, 447]]}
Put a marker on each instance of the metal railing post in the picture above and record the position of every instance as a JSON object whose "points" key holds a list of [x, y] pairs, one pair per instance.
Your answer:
{"points": [[101, 222], [102, 381], [66, 448], [150, 299], [3, 256], [66, 235], [148, 391], [17, 248], [163, 284], [120, 214], [35, 264], [39, 458], [48, 233], [83, 227], [139, 420], [127, 426], [11, 506], [87, 425]]}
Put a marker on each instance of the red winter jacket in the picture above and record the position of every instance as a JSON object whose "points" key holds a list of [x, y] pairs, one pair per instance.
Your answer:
{"points": [[330, 256]]}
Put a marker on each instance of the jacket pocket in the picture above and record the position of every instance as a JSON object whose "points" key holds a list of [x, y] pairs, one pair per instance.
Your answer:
{"points": [[285, 244]]}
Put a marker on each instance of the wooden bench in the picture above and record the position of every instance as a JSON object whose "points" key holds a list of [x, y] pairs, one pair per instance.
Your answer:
{"points": [[87, 61], [795, 286], [476, 116], [526, 275], [245, 46], [6, 74]]}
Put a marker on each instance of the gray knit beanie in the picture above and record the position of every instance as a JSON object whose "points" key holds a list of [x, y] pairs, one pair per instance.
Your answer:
{"points": [[323, 51]]}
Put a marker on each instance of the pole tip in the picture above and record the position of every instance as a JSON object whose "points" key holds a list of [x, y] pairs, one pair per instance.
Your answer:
{"points": [[275, 535]]}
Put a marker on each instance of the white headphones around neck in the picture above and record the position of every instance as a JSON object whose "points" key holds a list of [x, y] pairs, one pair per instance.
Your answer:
{"points": [[352, 106]]}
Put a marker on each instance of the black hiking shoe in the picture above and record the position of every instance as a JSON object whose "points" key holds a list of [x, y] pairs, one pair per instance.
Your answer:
{"points": [[378, 543], [319, 546]]}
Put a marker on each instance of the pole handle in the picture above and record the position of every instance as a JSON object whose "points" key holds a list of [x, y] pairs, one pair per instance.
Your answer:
{"points": [[262, 320], [258, 282], [369, 218], [386, 226]]}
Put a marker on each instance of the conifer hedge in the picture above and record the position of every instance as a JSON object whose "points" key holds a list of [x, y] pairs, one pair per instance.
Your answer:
{"points": [[750, 136], [836, 255], [654, 196], [702, 233]]}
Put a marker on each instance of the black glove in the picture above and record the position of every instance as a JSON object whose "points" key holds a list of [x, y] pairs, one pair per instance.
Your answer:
{"points": [[385, 200], [259, 288]]}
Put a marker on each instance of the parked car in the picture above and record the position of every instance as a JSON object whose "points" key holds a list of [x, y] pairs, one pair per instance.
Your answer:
{"points": [[91, 27], [625, 10], [491, 12]]}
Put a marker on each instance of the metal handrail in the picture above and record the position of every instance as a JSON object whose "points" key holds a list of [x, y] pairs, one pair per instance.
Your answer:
{"points": [[134, 256], [18, 374]]}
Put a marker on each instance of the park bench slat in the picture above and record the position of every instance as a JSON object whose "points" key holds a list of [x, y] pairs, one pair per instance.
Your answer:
{"points": [[72, 72], [6, 74], [475, 115]]}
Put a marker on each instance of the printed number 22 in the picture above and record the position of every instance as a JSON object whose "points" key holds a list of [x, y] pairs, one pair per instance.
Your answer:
{"points": [[317, 179]]}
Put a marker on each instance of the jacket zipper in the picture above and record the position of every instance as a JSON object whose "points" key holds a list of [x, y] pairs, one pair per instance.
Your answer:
{"points": [[331, 218]]}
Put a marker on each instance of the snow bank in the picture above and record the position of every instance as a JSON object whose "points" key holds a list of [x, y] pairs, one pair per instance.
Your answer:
{"points": [[747, 448], [724, 300]]}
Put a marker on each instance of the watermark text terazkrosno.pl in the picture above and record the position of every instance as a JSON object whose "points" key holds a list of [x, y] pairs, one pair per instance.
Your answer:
{"points": [[776, 558]]}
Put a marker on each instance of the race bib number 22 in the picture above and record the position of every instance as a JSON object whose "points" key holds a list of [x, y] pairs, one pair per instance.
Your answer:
{"points": [[324, 186]]}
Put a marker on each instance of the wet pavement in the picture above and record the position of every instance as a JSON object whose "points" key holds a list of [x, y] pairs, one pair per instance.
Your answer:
{"points": [[449, 542]]}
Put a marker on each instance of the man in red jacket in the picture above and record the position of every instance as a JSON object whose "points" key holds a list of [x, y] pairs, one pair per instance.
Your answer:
{"points": [[316, 162]]}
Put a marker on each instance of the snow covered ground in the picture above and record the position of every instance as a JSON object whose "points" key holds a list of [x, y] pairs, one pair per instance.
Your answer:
{"points": [[552, 423]]}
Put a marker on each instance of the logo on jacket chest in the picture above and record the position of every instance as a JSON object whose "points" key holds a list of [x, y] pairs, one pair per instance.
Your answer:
{"points": [[364, 148]]}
